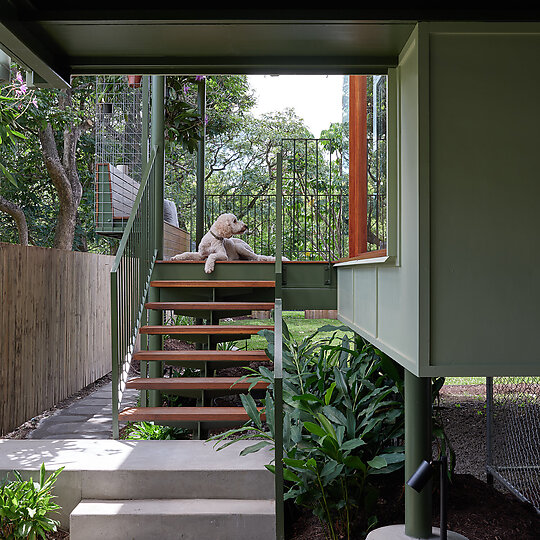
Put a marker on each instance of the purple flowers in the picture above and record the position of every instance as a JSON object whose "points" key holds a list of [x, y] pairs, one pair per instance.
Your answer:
{"points": [[22, 88]]}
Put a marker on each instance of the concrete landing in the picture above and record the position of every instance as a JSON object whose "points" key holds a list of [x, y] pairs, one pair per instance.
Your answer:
{"points": [[118, 469], [193, 519], [397, 532]]}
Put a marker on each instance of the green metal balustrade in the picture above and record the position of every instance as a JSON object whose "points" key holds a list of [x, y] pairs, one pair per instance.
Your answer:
{"points": [[130, 281]]}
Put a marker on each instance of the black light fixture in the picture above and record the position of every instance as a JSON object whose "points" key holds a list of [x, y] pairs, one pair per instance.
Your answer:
{"points": [[421, 477]]}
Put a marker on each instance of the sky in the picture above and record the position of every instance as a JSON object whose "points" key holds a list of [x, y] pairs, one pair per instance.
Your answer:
{"points": [[315, 98]]}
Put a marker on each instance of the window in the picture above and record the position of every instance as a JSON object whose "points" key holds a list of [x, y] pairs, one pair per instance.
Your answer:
{"points": [[368, 229]]}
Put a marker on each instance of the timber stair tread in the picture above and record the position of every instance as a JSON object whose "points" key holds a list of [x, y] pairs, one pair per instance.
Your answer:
{"points": [[209, 283], [184, 414], [208, 356], [194, 383], [203, 329], [254, 306]]}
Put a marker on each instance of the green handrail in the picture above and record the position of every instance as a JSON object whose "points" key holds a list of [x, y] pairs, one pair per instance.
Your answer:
{"points": [[130, 280], [278, 358]]}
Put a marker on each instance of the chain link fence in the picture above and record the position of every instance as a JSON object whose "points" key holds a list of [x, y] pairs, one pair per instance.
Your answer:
{"points": [[513, 435]]}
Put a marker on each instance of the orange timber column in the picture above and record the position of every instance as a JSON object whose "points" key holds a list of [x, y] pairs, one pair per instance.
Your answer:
{"points": [[357, 165]]}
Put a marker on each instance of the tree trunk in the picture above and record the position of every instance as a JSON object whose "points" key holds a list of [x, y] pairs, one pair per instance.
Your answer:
{"points": [[65, 178], [16, 212]]}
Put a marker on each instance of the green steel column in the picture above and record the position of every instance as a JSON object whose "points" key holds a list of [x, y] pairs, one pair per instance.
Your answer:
{"points": [[417, 448], [144, 164], [158, 139], [199, 222]]}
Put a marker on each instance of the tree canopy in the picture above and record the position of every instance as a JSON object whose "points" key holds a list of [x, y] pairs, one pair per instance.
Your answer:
{"points": [[47, 154]]}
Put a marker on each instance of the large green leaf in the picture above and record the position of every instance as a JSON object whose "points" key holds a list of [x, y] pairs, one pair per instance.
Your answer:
{"points": [[251, 408]]}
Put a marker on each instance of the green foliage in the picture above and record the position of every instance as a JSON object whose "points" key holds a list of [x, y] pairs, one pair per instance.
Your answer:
{"points": [[25, 507], [343, 424], [146, 431]]}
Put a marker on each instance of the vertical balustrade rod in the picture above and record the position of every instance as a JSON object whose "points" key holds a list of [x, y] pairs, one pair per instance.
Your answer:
{"points": [[201, 103], [115, 350], [278, 369]]}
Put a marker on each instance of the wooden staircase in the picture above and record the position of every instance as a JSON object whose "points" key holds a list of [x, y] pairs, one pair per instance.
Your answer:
{"points": [[215, 299]]}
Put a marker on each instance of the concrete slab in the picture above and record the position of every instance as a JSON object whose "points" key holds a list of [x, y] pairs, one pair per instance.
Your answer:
{"points": [[118, 469], [397, 532]]}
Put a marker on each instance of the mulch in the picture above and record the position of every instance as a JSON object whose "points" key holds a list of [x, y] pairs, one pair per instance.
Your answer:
{"points": [[477, 510]]}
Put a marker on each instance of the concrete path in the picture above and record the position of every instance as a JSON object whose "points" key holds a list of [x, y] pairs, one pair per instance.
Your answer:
{"points": [[89, 417]]}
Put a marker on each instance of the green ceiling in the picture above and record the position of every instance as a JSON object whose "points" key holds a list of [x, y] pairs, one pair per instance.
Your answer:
{"points": [[57, 42]]}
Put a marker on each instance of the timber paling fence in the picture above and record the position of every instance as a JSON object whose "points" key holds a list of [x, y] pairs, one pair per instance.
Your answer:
{"points": [[55, 327], [513, 435]]}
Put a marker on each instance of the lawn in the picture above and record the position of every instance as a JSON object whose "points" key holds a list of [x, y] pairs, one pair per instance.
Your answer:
{"points": [[298, 326], [301, 328]]}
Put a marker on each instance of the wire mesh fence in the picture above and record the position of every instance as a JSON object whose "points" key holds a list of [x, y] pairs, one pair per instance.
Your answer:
{"points": [[118, 136], [513, 435]]}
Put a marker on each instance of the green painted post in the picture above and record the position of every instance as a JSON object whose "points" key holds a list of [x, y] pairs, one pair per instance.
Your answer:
{"points": [[278, 361], [158, 141], [115, 354], [417, 448], [199, 221], [144, 163]]}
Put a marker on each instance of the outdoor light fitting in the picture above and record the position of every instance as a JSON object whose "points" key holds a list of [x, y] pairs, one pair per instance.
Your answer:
{"points": [[422, 476]]}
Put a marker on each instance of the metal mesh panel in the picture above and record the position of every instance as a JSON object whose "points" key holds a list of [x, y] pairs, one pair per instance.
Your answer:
{"points": [[315, 206], [118, 151], [514, 435]]}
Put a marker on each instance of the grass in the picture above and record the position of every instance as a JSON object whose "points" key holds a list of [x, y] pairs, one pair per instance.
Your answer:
{"points": [[299, 327]]}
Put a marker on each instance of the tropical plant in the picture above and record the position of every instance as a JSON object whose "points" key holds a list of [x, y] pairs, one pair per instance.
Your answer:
{"points": [[25, 507], [146, 431], [343, 424]]}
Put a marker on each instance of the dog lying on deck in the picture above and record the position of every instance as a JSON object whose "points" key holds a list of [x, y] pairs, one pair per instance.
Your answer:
{"points": [[218, 245]]}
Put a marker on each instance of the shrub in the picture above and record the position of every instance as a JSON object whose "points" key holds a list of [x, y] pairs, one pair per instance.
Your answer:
{"points": [[146, 431], [25, 506], [343, 424]]}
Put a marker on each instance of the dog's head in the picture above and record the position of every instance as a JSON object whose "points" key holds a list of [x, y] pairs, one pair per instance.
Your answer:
{"points": [[228, 225]]}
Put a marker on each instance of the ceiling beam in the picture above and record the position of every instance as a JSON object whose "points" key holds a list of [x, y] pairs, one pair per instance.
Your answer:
{"points": [[279, 65], [25, 45]]}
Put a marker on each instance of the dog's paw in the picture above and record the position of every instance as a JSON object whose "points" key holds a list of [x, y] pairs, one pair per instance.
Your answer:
{"points": [[208, 268]]}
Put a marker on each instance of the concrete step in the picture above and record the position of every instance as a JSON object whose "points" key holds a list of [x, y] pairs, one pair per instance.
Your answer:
{"points": [[172, 519], [121, 469]]}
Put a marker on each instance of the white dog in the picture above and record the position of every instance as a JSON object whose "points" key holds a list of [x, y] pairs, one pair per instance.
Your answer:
{"points": [[218, 245]]}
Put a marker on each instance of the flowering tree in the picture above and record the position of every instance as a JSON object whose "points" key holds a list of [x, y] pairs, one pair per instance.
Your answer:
{"points": [[55, 119]]}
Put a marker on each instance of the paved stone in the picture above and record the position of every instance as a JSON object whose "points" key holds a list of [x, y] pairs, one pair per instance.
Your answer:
{"points": [[89, 417]]}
